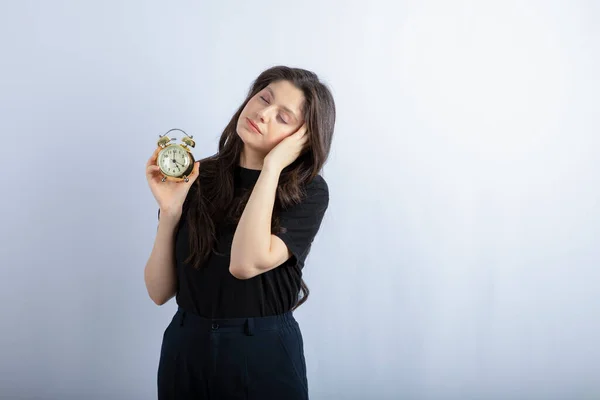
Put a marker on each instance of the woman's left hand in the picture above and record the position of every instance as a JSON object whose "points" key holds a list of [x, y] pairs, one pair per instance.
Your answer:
{"points": [[288, 150]]}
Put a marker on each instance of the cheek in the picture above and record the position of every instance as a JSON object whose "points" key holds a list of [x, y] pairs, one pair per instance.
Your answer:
{"points": [[278, 132], [273, 138], [252, 107], [246, 111], [271, 142]]}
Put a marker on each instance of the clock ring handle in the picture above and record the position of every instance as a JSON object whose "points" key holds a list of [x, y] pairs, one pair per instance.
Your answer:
{"points": [[180, 130]]}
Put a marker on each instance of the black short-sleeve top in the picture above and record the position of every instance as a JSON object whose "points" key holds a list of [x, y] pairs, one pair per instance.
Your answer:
{"points": [[213, 292]]}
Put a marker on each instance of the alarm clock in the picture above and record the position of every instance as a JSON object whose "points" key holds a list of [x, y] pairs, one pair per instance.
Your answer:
{"points": [[175, 161]]}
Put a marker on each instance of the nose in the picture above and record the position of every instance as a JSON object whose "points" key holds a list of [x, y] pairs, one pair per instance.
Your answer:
{"points": [[263, 114], [260, 115]]}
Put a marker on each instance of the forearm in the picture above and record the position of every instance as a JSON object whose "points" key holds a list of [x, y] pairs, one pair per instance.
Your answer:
{"points": [[160, 274], [252, 239]]}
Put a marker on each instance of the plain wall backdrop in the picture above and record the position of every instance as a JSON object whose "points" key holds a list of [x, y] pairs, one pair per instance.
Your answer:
{"points": [[460, 255]]}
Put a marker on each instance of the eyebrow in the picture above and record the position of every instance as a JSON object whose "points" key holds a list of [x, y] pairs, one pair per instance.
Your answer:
{"points": [[284, 107]]}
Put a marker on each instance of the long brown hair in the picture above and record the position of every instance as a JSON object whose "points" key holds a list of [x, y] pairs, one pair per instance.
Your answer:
{"points": [[213, 198]]}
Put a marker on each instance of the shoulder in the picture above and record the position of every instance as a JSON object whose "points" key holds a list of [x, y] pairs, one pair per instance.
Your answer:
{"points": [[318, 183], [314, 197], [317, 187], [316, 193]]}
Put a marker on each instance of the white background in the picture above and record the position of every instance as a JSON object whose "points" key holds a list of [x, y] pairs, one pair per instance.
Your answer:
{"points": [[459, 257]]}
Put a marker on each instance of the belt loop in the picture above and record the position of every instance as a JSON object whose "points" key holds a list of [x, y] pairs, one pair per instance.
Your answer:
{"points": [[182, 318], [250, 326]]}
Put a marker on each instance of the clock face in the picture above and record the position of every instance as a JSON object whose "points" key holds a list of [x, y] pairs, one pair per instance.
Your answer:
{"points": [[173, 160]]}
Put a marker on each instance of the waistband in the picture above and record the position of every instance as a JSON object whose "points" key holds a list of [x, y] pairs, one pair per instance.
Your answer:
{"points": [[243, 325]]}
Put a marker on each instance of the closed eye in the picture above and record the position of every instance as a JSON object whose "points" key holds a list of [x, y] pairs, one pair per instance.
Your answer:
{"points": [[279, 117]]}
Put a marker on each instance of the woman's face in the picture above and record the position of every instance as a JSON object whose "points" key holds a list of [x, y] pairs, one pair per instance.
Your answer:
{"points": [[270, 116]]}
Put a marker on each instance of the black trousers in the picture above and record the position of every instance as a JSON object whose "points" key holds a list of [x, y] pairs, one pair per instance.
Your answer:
{"points": [[243, 358]]}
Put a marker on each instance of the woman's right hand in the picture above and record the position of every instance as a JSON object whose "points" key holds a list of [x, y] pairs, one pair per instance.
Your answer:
{"points": [[170, 194]]}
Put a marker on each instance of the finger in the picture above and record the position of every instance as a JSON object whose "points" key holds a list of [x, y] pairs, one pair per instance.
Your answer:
{"points": [[152, 170], [195, 172], [300, 132], [303, 129], [303, 133], [304, 142], [195, 169]]}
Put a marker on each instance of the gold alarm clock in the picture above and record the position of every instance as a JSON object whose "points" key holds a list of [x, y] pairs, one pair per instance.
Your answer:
{"points": [[175, 161]]}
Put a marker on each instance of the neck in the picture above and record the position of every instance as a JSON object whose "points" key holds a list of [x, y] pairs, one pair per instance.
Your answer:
{"points": [[251, 159]]}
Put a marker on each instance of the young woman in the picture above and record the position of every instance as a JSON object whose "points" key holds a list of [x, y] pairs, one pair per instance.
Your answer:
{"points": [[232, 242]]}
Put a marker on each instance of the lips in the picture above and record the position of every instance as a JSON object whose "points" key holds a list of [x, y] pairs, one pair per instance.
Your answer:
{"points": [[253, 125]]}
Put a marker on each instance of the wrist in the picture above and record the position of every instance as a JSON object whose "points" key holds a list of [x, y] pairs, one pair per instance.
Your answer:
{"points": [[270, 168], [172, 214], [271, 174]]}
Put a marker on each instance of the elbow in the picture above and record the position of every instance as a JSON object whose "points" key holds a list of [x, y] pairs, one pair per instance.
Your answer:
{"points": [[158, 292], [242, 272], [159, 301]]}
